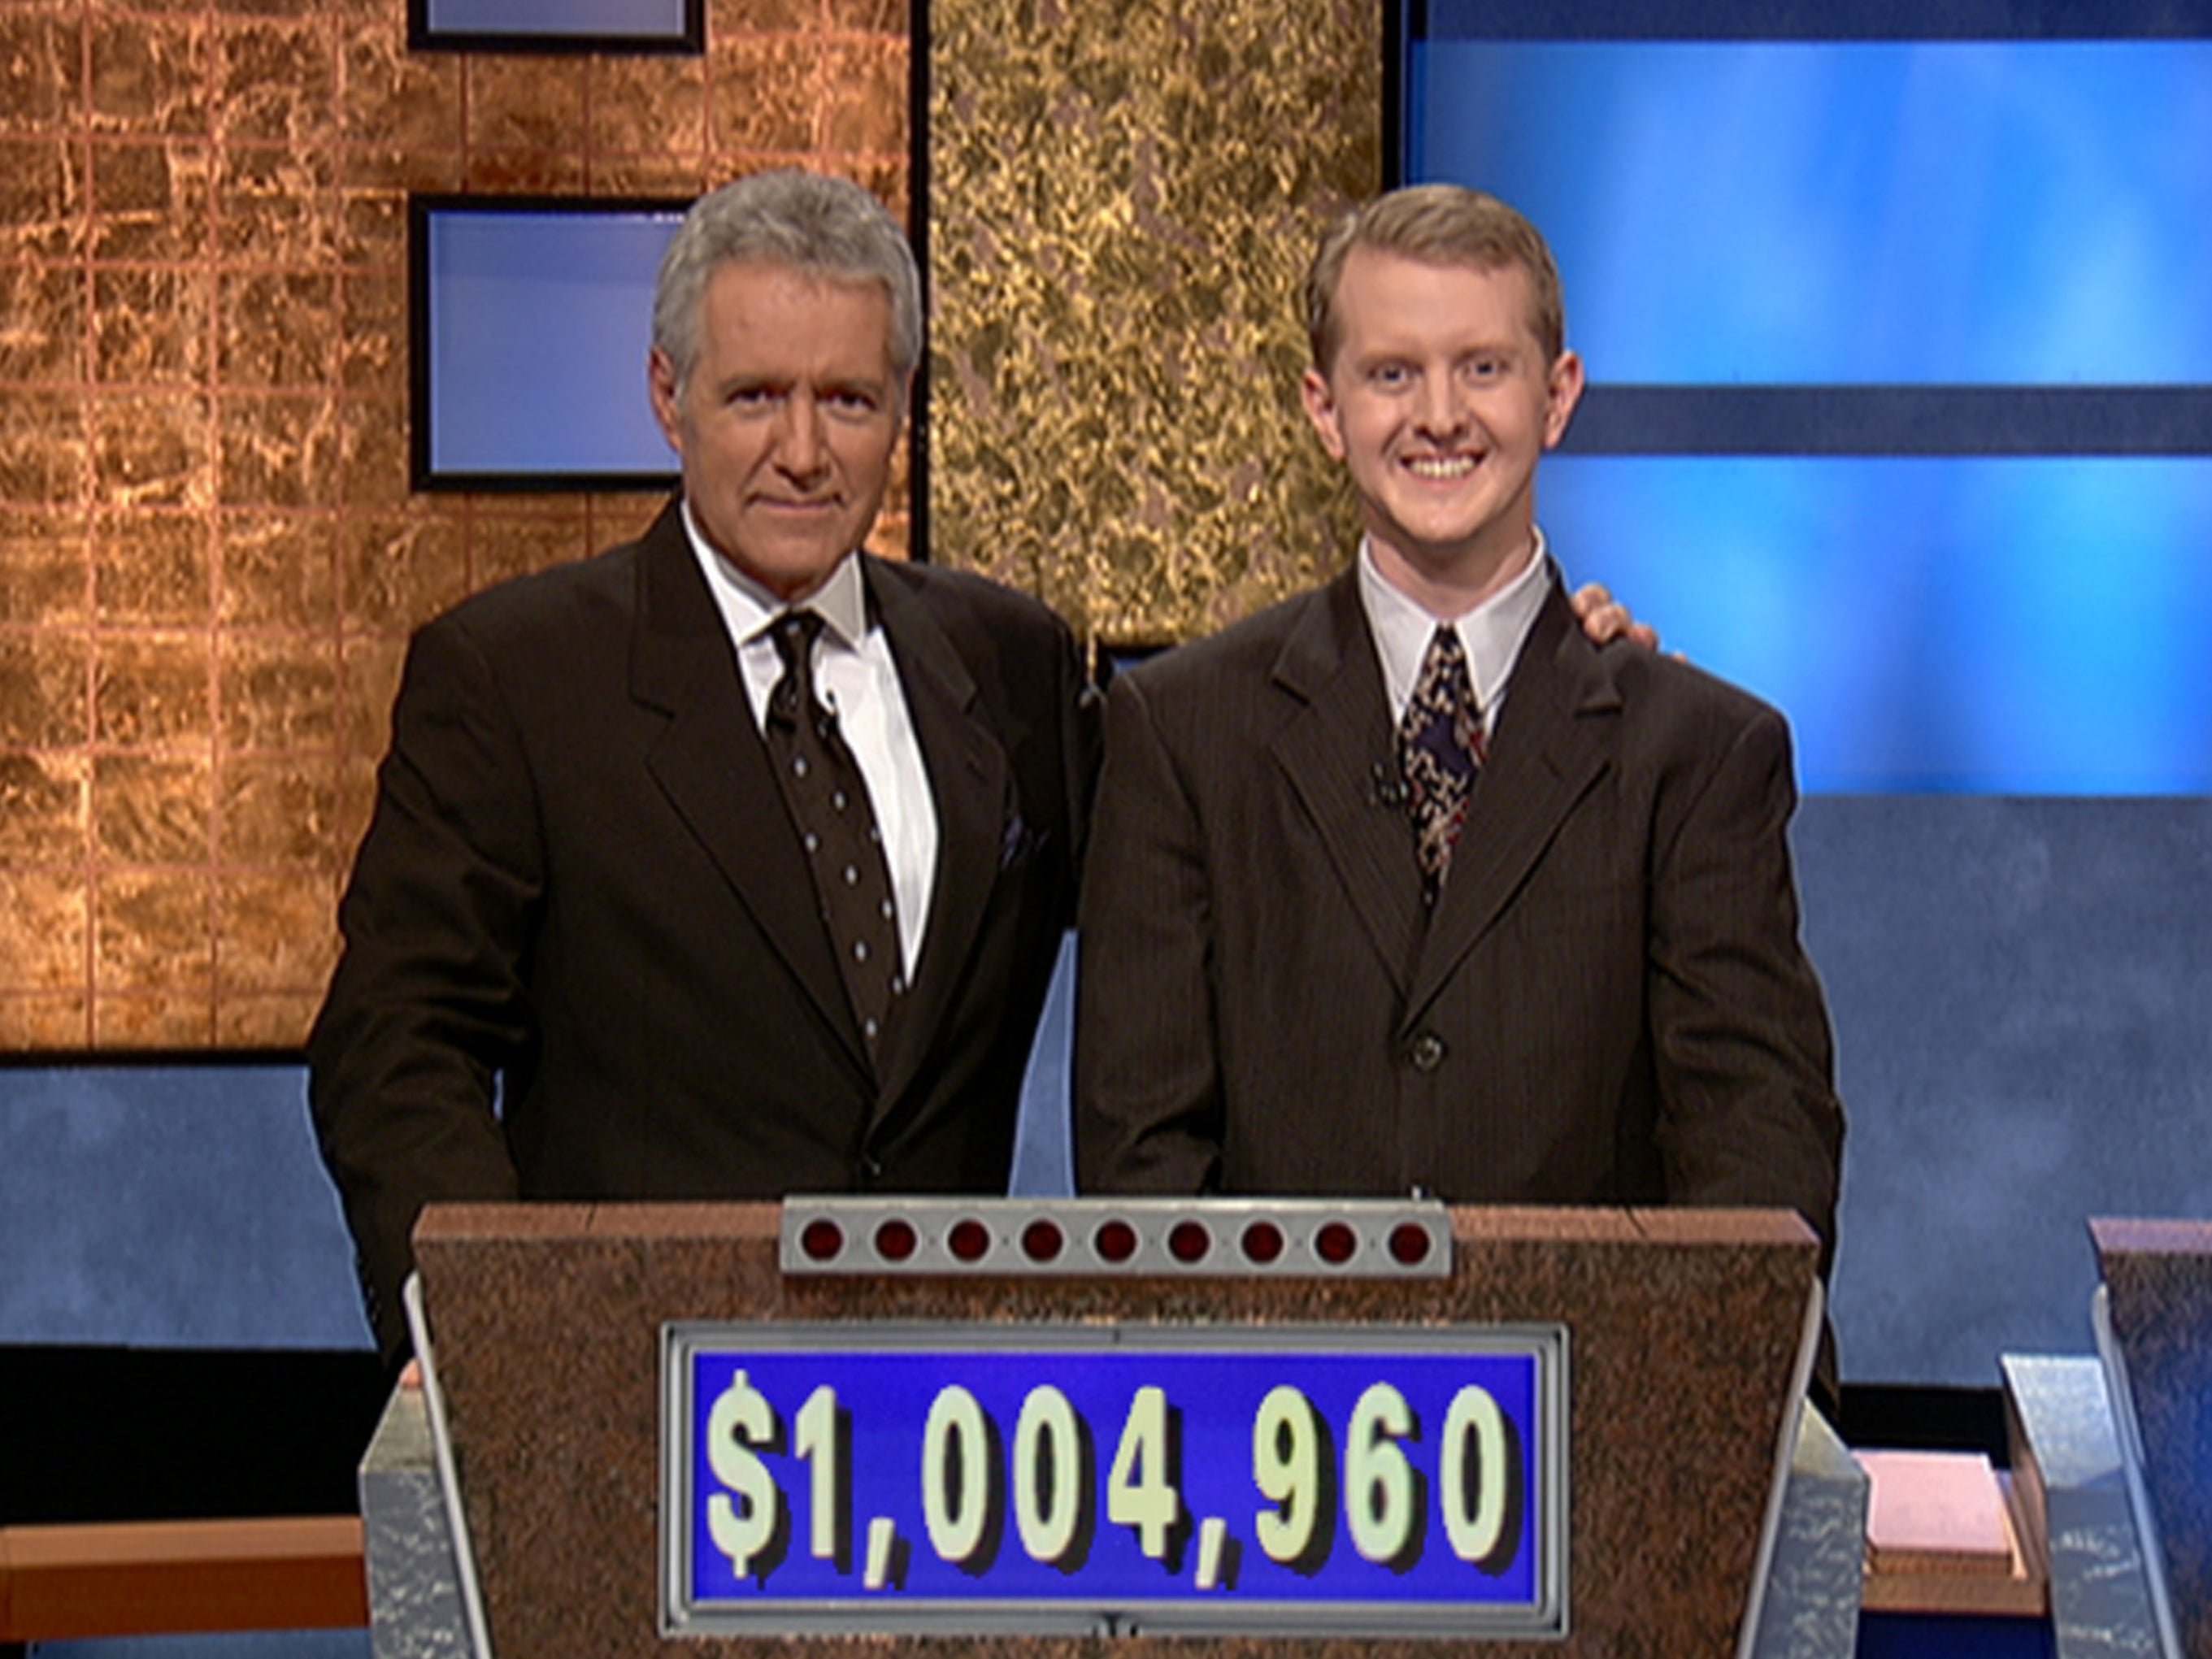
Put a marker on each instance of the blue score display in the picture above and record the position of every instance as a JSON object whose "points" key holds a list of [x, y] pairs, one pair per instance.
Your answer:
{"points": [[886, 1479]]}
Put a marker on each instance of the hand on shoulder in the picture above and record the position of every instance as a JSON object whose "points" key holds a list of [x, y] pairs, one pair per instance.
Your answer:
{"points": [[1604, 619]]}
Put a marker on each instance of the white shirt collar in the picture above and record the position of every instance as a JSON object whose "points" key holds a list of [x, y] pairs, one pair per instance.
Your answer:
{"points": [[1491, 634], [749, 606]]}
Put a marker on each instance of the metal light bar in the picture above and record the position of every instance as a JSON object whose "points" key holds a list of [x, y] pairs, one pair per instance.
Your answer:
{"points": [[1142, 1237]]}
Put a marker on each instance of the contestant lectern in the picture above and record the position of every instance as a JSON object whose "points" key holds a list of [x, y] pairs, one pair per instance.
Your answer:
{"points": [[2157, 1315], [1123, 1430]]}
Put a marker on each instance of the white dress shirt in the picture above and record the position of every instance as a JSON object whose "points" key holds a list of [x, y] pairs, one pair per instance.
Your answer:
{"points": [[1491, 634], [857, 680]]}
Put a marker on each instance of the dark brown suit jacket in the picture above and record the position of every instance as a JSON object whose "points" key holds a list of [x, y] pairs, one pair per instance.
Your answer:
{"points": [[581, 879], [1608, 1006]]}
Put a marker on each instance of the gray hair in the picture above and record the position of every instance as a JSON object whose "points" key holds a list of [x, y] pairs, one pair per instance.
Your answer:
{"points": [[802, 220]]}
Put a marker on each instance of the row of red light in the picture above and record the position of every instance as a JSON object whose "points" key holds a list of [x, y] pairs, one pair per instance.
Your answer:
{"points": [[1114, 1241]]}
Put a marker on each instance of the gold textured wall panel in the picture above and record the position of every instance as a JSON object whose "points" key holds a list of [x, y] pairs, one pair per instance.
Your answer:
{"points": [[210, 557], [1124, 195]]}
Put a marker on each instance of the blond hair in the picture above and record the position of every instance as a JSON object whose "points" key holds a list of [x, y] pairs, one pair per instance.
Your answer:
{"points": [[1442, 225]]}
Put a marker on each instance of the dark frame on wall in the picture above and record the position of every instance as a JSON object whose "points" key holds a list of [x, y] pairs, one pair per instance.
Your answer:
{"points": [[431, 464], [573, 27]]}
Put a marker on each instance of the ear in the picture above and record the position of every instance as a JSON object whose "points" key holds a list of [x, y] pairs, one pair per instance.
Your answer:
{"points": [[667, 408], [1321, 410], [1563, 391]]}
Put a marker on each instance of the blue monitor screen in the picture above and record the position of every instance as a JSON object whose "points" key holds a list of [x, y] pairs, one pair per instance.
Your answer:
{"points": [[558, 25], [2013, 625], [533, 325], [2027, 212], [1900, 359]]}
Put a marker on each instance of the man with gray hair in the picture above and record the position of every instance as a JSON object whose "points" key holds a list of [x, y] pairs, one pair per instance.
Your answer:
{"points": [[733, 861]]}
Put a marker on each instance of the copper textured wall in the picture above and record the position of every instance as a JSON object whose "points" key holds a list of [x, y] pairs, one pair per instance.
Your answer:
{"points": [[210, 558], [1124, 195]]}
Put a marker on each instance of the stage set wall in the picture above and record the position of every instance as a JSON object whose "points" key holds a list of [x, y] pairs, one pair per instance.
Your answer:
{"points": [[211, 560]]}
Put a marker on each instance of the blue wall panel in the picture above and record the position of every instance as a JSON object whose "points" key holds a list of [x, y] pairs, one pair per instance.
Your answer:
{"points": [[2019, 990], [169, 1206]]}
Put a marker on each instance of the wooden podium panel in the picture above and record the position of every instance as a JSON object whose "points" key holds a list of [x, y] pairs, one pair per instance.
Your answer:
{"points": [[1685, 1329]]}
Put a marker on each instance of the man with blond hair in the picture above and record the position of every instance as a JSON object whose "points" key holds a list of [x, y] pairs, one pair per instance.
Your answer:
{"points": [[1404, 885]]}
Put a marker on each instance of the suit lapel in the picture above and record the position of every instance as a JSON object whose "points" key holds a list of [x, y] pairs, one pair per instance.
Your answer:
{"points": [[712, 765], [1333, 751], [969, 783], [1544, 756]]}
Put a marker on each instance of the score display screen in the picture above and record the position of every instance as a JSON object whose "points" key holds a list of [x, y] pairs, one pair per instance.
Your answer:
{"points": [[955, 1480]]}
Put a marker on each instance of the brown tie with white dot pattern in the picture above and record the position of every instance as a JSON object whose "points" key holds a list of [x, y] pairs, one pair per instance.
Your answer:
{"points": [[829, 806]]}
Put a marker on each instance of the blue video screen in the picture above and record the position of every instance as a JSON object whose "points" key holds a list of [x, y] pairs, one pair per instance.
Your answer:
{"points": [[532, 328], [1954, 212], [588, 19], [2004, 626], [1901, 360]]}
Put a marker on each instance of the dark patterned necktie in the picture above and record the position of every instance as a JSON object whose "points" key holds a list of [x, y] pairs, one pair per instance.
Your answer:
{"points": [[1439, 751], [828, 802]]}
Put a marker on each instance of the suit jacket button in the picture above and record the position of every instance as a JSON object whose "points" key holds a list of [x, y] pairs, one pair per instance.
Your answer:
{"points": [[1425, 1052]]}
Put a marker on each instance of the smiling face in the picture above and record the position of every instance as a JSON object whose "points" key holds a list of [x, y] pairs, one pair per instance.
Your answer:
{"points": [[787, 419], [1439, 400]]}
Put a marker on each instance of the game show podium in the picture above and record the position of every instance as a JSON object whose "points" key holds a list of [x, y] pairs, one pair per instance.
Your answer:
{"points": [[1118, 1430], [2153, 1316]]}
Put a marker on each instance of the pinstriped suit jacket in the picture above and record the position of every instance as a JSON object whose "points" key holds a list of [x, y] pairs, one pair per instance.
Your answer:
{"points": [[581, 875], [1609, 1003]]}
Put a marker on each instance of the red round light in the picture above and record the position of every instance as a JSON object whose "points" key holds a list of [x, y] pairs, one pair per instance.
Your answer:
{"points": [[895, 1239], [1189, 1242], [822, 1239], [1409, 1244], [970, 1239], [1115, 1240], [1041, 1239], [1263, 1243], [1336, 1243]]}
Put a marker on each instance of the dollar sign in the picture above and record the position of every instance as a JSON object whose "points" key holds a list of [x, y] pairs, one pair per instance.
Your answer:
{"points": [[741, 1419]]}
